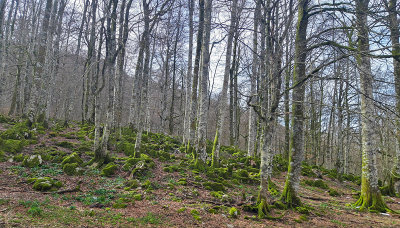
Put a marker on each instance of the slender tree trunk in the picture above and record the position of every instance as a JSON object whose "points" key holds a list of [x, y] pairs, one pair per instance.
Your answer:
{"points": [[193, 106], [221, 118], [201, 137]]}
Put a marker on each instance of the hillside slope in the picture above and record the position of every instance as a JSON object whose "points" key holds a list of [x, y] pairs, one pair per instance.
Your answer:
{"points": [[46, 181]]}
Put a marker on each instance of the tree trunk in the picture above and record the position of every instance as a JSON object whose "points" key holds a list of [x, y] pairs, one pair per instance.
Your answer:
{"points": [[370, 197], [289, 194], [221, 118], [201, 137]]}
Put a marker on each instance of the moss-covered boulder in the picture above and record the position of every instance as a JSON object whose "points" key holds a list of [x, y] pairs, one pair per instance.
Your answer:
{"points": [[12, 146], [131, 184], [32, 161], [45, 184], [19, 158], [72, 158], [233, 212], [72, 169], [109, 170]]}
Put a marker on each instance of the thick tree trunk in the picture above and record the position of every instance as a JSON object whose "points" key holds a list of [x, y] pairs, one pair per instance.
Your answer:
{"points": [[289, 194], [370, 197]]}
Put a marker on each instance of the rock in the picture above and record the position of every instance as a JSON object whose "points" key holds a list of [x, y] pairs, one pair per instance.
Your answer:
{"points": [[45, 184], [233, 212], [32, 161], [72, 169], [109, 170], [72, 158]]}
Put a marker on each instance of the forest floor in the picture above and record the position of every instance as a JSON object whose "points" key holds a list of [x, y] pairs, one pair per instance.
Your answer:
{"points": [[166, 193]]}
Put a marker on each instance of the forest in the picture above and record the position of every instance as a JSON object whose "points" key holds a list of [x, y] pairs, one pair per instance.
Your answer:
{"points": [[199, 113]]}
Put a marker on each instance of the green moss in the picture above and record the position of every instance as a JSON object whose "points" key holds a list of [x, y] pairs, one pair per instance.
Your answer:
{"points": [[195, 214], [137, 197], [303, 210], [2, 156], [118, 205], [217, 195], [233, 212], [132, 184], [333, 192], [307, 171], [214, 186], [66, 144], [171, 168], [45, 184], [109, 170], [18, 131], [317, 183], [19, 157], [72, 158], [32, 161], [72, 169], [12, 146], [182, 209]]}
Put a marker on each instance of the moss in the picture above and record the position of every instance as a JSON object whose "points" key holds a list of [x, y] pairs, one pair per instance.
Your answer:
{"points": [[171, 169], [303, 210], [132, 184], [109, 170], [45, 184], [18, 131], [217, 195], [137, 197], [214, 186], [148, 185], [73, 158], [195, 214], [214, 159], [32, 161], [182, 209], [72, 169], [118, 205], [371, 200], [12, 146], [182, 181], [66, 144], [317, 183], [262, 208], [19, 157], [233, 212], [307, 171], [280, 164], [289, 197], [333, 192], [2, 156], [250, 208]]}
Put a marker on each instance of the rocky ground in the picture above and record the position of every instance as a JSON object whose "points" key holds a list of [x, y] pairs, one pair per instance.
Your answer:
{"points": [[47, 180]]}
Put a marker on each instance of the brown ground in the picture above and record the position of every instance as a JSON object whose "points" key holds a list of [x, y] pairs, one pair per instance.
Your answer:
{"points": [[64, 210]]}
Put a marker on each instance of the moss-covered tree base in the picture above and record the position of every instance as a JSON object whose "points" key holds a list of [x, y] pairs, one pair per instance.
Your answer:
{"points": [[289, 197], [262, 207], [373, 202]]}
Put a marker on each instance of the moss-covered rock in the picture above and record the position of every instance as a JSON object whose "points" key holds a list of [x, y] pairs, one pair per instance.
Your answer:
{"points": [[233, 212], [45, 184], [72, 169], [32, 161], [72, 158], [307, 171], [131, 184], [12, 146], [109, 170], [2, 156]]}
